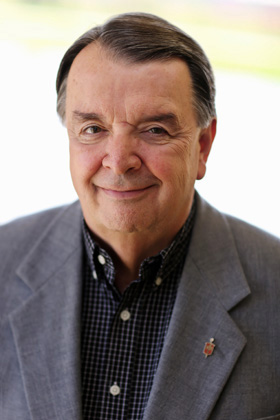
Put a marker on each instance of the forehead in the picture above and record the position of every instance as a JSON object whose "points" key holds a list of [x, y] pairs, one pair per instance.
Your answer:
{"points": [[96, 77]]}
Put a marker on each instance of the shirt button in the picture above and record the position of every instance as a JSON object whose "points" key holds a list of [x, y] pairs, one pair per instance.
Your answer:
{"points": [[158, 281], [94, 275], [125, 315], [101, 259], [115, 389]]}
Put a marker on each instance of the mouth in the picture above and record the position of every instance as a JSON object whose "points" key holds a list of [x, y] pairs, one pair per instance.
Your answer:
{"points": [[125, 193]]}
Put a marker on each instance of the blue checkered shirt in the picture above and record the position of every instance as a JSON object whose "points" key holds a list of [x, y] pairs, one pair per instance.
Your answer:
{"points": [[123, 334]]}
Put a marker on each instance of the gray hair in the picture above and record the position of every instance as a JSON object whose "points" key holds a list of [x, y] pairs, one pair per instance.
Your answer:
{"points": [[141, 37]]}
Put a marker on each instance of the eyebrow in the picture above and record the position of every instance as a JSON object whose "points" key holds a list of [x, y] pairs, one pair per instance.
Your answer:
{"points": [[168, 118], [84, 116]]}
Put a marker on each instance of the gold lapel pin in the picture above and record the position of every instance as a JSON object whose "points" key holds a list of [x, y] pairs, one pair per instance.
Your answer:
{"points": [[209, 348]]}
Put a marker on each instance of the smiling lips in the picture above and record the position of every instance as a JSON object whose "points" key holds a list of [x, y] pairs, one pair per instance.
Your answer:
{"points": [[129, 193]]}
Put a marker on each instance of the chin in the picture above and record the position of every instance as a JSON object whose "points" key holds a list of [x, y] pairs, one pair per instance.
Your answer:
{"points": [[127, 222], [122, 219]]}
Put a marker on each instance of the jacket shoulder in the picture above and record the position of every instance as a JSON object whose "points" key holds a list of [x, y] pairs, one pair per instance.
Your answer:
{"points": [[227, 237], [18, 237], [252, 240], [19, 234], [259, 254], [19, 240]]}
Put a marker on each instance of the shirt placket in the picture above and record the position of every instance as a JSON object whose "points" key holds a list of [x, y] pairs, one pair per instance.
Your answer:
{"points": [[120, 350]]}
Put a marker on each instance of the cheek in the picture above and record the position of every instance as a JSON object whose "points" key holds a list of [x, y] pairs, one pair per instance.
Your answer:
{"points": [[168, 166], [84, 162], [177, 171], [160, 167], [160, 161]]}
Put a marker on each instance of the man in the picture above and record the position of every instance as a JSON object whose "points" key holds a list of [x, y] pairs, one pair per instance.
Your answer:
{"points": [[140, 301]]}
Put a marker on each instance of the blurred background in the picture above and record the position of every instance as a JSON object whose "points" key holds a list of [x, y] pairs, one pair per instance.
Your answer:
{"points": [[242, 40]]}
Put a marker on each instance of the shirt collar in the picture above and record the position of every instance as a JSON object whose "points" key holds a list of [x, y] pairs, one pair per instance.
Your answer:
{"points": [[161, 264]]}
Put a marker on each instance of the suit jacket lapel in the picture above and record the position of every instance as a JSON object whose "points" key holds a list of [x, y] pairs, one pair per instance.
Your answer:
{"points": [[46, 327], [187, 385]]}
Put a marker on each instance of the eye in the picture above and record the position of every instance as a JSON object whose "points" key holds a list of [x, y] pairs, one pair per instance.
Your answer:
{"points": [[157, 130], [93, 129]]}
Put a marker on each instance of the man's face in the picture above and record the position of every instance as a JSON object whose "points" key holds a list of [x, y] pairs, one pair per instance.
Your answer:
{"points": [[135, 147]]}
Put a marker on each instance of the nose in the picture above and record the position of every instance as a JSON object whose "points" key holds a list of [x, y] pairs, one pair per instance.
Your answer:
{"points": [[121, 155]]}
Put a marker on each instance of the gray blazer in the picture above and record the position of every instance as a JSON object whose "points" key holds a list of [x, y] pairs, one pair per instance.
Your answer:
{"points": [[229, 290]]}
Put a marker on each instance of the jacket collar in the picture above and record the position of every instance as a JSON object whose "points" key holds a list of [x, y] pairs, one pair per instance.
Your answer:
{"points": [[57, 243], [187, 385], [46, 328]]}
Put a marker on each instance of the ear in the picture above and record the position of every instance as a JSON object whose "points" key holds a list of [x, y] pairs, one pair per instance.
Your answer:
{"points": [[206, 139]]}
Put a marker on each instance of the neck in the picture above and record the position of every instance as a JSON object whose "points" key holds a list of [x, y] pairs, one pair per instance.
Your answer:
{"points": [[128, 251]]}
